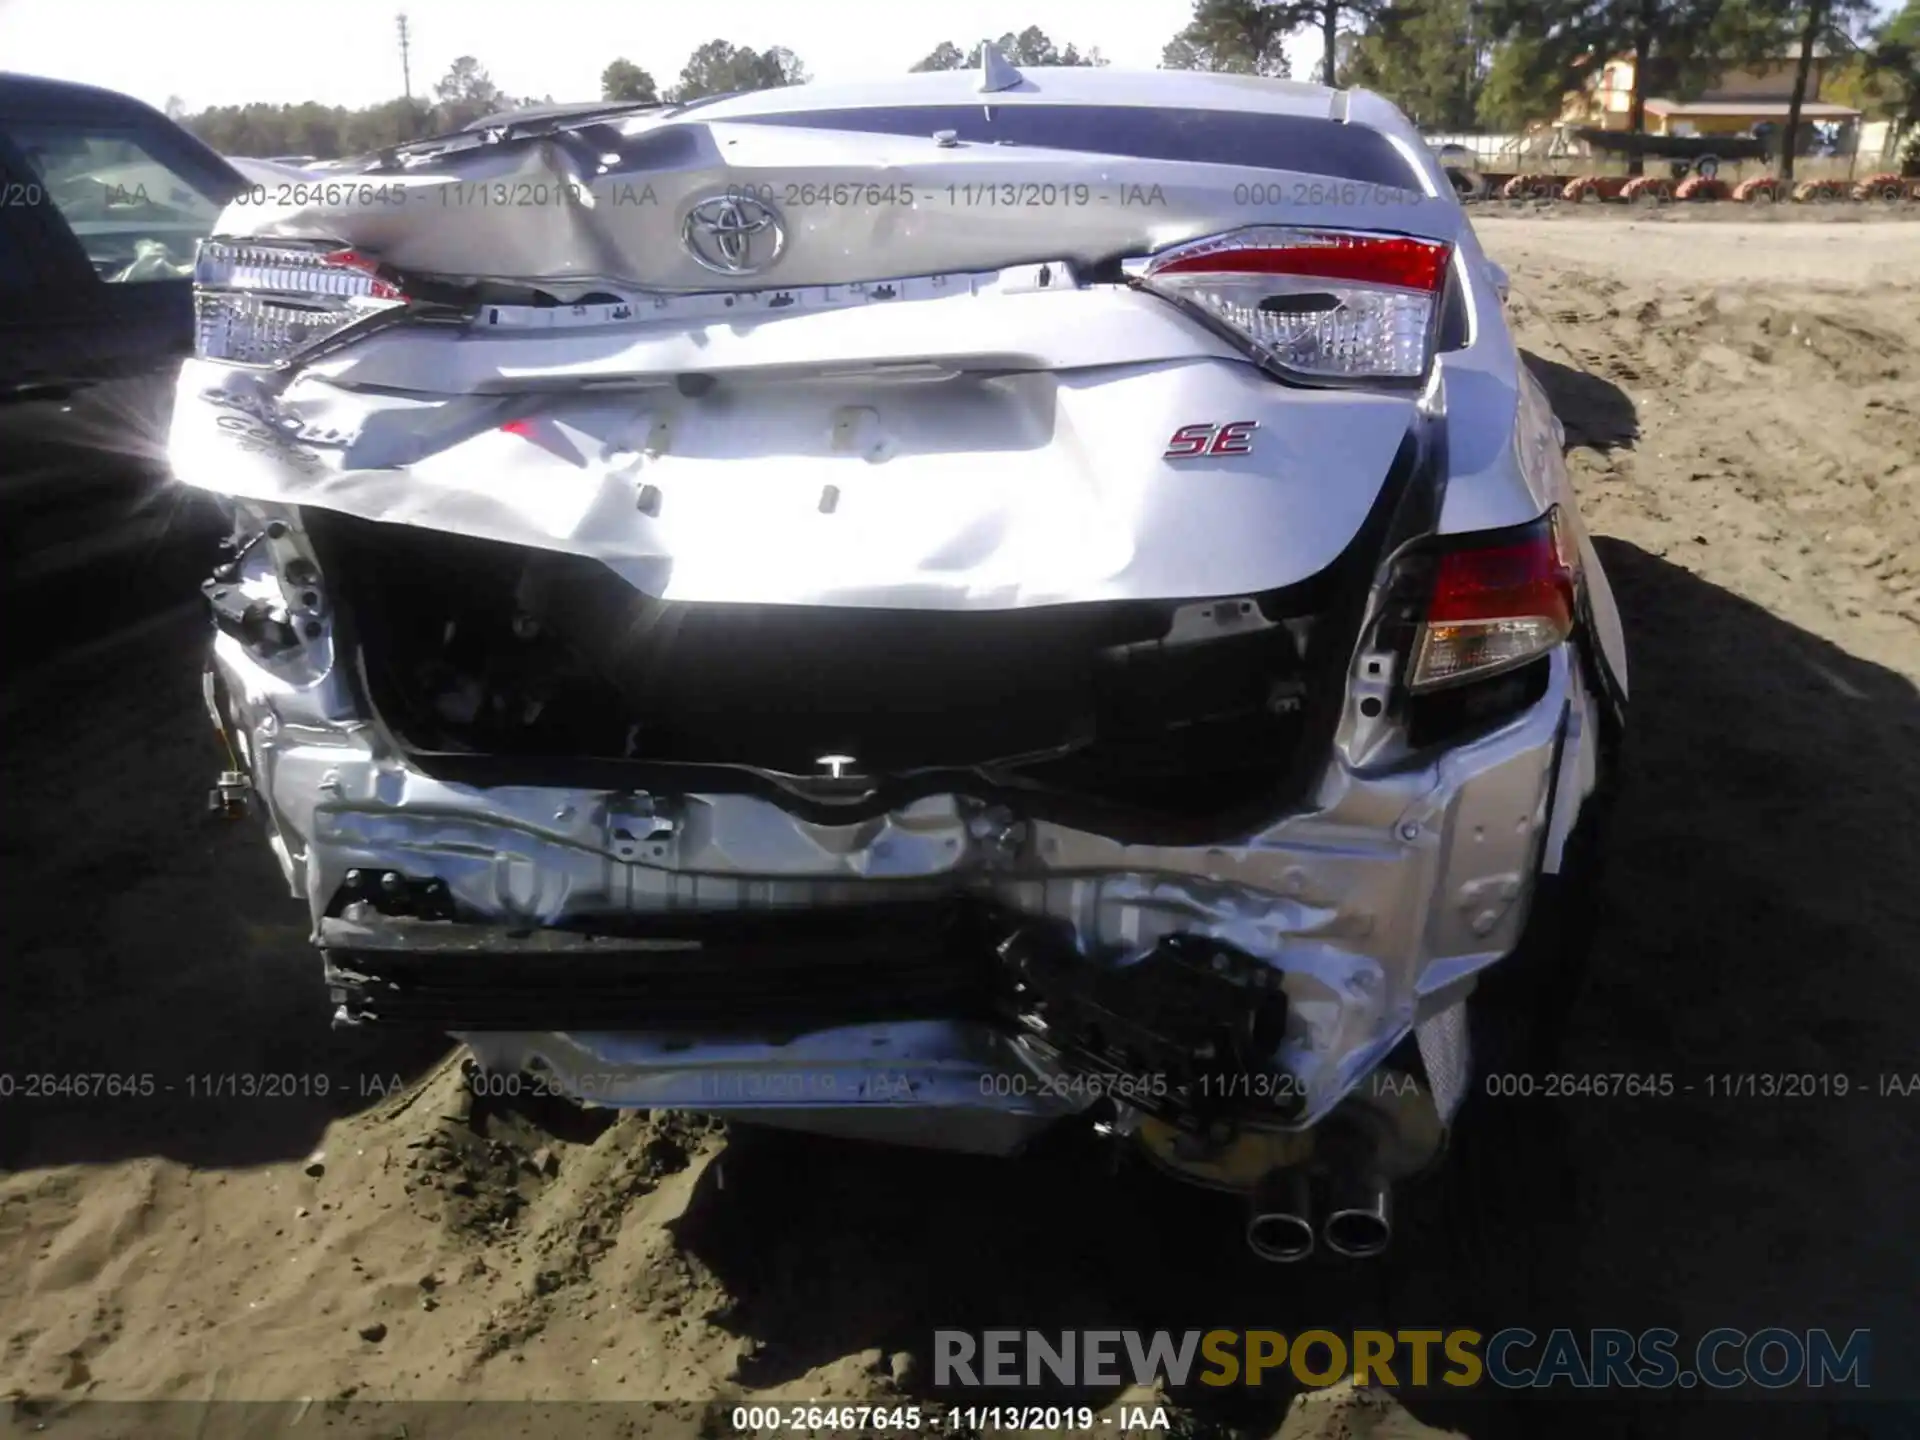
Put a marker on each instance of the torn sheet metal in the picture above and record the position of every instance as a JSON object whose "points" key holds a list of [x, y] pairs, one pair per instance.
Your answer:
{"points": [[851, 206], [959, 491], [1379, 903]]}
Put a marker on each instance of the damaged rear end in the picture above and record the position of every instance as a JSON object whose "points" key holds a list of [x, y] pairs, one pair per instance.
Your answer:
{"points": [[756, 623]]}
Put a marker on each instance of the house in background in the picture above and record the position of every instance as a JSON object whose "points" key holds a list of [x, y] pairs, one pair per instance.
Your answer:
{"points": [[1746, 101]]}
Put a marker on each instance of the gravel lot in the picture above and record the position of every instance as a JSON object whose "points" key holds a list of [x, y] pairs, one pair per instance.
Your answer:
{"points": [[1742, 400]]}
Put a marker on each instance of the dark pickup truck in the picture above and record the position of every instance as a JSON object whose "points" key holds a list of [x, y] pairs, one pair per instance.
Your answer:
{"points": [[103, 204], [103, 201]]}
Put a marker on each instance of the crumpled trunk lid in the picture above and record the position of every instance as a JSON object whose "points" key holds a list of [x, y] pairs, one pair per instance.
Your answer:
{"points": [[562, 211], [954, 490], [935, 393]]}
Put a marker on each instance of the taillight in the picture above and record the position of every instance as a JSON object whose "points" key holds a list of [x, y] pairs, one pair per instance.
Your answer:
{"points": [[1495, 605], [267, 303], [1322, 304]]}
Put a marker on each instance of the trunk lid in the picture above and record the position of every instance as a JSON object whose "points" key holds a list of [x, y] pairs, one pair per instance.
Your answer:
{"points": [[932, 391], [946, 490], [619, 206]]}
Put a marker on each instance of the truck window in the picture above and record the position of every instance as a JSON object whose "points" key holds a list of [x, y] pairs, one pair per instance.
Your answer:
{"points": [[137, 218]]}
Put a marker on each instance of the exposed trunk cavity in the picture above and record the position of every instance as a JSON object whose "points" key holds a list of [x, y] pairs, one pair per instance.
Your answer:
{"points": [[516, 666]]}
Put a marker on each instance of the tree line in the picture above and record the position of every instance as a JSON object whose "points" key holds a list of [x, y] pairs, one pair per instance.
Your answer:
{"points": [[467, 93], [1456, 65], [1452, 65]]}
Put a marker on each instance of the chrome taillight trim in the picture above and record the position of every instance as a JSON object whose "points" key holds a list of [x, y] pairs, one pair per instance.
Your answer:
{"points": [[1192, 290], [263, 305]]}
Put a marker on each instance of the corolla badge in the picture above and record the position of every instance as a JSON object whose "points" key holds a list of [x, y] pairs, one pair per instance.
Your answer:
{"points": [[733, 234]]}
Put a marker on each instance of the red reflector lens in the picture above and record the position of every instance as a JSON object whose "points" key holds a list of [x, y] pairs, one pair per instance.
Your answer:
{"points": [[1495, 607], [1374, 260], [383, 288], [1503, 582]]}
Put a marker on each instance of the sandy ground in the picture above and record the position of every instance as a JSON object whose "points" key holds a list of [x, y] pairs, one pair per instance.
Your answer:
{"points": [[1743, 409]]}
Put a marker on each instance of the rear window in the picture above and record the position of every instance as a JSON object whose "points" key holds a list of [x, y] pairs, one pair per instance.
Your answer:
{"points": [[1208, 137]]}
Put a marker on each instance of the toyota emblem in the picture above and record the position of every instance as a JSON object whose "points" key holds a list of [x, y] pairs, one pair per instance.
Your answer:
{"points": [[733, 234]]}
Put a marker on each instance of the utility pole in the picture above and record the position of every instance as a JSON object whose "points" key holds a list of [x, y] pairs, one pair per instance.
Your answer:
{"points": [[406, 64], [406, 70]]}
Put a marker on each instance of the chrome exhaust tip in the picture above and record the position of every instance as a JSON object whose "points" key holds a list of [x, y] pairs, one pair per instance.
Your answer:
{"points": [[1279, 1221], [1359, 1224]]}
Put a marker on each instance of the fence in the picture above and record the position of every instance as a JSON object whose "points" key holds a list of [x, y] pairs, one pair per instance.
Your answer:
{"points": [[1552, 151]]}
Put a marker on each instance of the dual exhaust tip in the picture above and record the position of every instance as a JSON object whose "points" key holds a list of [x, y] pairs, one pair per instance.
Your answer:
{"points": [[1280, 1225]]}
